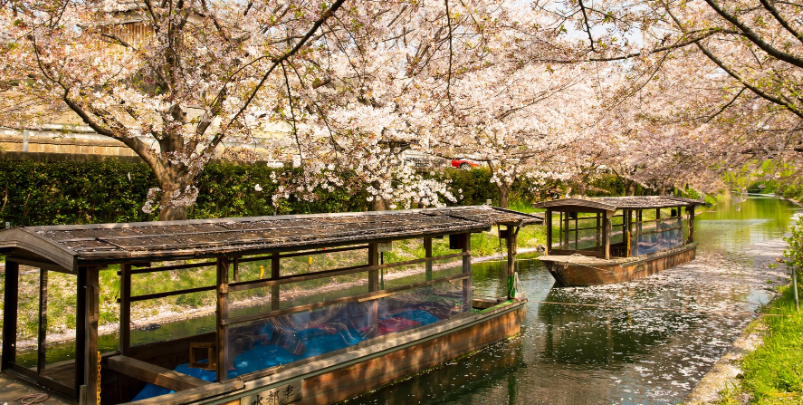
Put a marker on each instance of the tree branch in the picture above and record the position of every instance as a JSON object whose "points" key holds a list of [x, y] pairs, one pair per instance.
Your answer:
{"points": [[775, 13], [335, 6], [755, 38]]}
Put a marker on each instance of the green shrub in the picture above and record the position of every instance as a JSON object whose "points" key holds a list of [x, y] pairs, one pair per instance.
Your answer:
{"points": [[40, 193]]}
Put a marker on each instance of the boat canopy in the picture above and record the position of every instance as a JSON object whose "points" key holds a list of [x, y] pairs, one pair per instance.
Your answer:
{"points": [[617, 203], [607, 227], [69, 246], [285, 290]]}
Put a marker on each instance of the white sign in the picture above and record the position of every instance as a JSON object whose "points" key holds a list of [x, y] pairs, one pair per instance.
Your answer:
{"points": [[284, 394]]}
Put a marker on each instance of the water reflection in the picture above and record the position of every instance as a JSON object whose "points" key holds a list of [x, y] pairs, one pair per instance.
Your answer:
{"points": [[644, 342]]}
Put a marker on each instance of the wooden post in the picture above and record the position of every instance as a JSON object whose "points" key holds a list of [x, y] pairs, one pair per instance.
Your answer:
{"points": [[236, 269], [222, 313], [599, 232], [91, 354], [548, 231], [566, 230], [42, 339], [467, 298], [691, 223], [637, 234], [373, 260], [576, 228], [10, 297], [428, 254], [625, 226], [275, 265], [124, 343], [659, 234], [373, 285], [511, 261], [606, 235], [560, 229], [80, 336]]}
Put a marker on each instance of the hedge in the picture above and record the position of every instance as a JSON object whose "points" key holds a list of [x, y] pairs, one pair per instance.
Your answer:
{"points": [[41, 193]]}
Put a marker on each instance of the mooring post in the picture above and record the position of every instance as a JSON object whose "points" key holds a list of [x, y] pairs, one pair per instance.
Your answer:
{"points": [[511, 262]]}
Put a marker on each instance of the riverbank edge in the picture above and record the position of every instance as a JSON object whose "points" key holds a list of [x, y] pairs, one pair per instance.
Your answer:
{"points": [[723, 380], [724, 375]]}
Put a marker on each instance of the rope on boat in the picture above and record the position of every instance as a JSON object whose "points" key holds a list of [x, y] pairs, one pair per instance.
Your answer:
{"points": [[580, 304], [30, 399]]}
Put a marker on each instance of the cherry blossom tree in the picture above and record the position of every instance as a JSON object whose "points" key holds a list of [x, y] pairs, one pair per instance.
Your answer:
{"points": [[740, 64], [201, 73]]}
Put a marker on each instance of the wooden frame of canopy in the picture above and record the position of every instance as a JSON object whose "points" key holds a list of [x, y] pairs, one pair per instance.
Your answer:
{"points": [[602, 212], [224, 244]]}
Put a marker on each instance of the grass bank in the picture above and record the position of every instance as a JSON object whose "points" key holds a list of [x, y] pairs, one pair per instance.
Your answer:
{"points": [[773, 373]]}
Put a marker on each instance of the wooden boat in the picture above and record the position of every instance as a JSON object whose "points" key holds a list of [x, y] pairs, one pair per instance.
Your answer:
{"points": [[300, 332], [608, 240]]}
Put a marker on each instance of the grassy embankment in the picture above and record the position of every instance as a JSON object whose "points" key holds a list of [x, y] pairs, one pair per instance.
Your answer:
{"points": [[61, 288], [773, 373]]}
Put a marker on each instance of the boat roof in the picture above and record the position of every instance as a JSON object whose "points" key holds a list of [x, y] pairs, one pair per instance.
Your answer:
{"points": [[69, 246], [616, 203]]}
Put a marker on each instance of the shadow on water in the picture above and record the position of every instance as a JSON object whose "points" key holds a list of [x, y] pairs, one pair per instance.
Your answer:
{"points": [[643, 342]]}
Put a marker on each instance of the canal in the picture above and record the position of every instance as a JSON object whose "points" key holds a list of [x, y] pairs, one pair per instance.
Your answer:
{"points": [[644, 342]]}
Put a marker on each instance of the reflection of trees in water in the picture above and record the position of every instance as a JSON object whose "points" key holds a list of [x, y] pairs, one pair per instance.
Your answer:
{"points": [[598, 335], [489, 373]]}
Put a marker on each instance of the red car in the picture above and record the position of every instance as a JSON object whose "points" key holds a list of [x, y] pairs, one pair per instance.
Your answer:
{"points": [[464, 163]]}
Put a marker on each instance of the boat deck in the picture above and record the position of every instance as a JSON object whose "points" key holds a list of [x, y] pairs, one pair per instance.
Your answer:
{"points": [[13, 388]]}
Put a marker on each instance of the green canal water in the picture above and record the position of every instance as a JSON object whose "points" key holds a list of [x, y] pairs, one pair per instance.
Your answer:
{"points": [[596, 352], [569, 354]]}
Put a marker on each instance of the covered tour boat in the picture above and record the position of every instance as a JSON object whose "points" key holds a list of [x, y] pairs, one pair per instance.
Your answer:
{"points": [[299, 309], [611, 240]]}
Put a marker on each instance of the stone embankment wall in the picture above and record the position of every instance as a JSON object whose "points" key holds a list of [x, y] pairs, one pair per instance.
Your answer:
{"points": [[52, 143]]}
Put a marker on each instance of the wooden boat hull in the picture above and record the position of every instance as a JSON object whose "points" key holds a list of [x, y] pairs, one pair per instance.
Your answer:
{"points": [[571, 271], [349, 372]]}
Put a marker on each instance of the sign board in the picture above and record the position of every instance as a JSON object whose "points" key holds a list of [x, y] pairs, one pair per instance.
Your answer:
{"points": [[285, 394]]}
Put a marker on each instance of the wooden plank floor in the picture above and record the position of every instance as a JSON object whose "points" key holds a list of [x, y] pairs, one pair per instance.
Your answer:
{"points": [[12, 388]]}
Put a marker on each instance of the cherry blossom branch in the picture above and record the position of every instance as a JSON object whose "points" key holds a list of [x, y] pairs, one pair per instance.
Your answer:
{"points": [[755, 38], [328, 13], [724, 107], [774, 11], [588, 27], [732, 73]]}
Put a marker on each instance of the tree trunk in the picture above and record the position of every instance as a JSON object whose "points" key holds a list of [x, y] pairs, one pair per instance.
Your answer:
{"points": [[178, 191], [504, 195], [630, 188], [379, 204]]}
